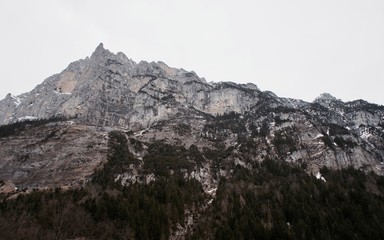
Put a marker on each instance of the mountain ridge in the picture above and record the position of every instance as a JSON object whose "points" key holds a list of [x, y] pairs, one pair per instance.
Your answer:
{"points": [[108, 91], [106, 70]]}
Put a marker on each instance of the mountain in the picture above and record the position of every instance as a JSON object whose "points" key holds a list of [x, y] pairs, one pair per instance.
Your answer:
{"points": [[111, 90], [107, 120]]}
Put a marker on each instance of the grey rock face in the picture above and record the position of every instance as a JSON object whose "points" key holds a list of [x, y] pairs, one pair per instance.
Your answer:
{"points": [[110, 89]]}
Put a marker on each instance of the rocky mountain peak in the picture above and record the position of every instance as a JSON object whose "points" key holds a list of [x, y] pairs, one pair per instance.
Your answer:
{"points": [[329, 101], [111, 89], [326, 97], [102, 54], [99, 49]]}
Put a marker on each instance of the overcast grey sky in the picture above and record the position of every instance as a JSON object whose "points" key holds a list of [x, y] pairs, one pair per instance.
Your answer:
{"points": [[296, 48]]}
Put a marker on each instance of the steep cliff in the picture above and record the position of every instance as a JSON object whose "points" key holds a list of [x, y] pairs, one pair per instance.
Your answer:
{"points": [[110, 89]]}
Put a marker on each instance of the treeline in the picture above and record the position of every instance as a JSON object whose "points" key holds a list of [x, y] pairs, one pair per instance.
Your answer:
{"points": [[273, 200], [103, 209], [134, 212], [119, 160], [278, 201], [16, 127]]}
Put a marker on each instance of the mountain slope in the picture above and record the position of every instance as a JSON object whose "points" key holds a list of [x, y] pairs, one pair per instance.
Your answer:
{"points": [[209, 160]]}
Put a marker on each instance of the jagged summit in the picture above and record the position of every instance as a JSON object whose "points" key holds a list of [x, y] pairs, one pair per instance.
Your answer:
{"points": [[101, 55], [100, 47], [100, 50]]}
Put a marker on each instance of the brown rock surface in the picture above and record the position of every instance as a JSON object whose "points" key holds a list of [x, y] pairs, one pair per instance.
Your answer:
{"points": [[55, 154]]}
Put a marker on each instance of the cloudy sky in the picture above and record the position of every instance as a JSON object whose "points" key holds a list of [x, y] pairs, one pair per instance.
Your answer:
{"points": [[296, 48]]}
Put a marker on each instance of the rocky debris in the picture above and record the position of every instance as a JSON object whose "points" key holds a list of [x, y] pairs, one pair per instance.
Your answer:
{"points": [[60, 154], [7, 187]]}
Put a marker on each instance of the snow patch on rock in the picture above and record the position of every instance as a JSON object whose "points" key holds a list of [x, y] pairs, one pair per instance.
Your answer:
{"points": [[26, 118], [318, 176]]}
